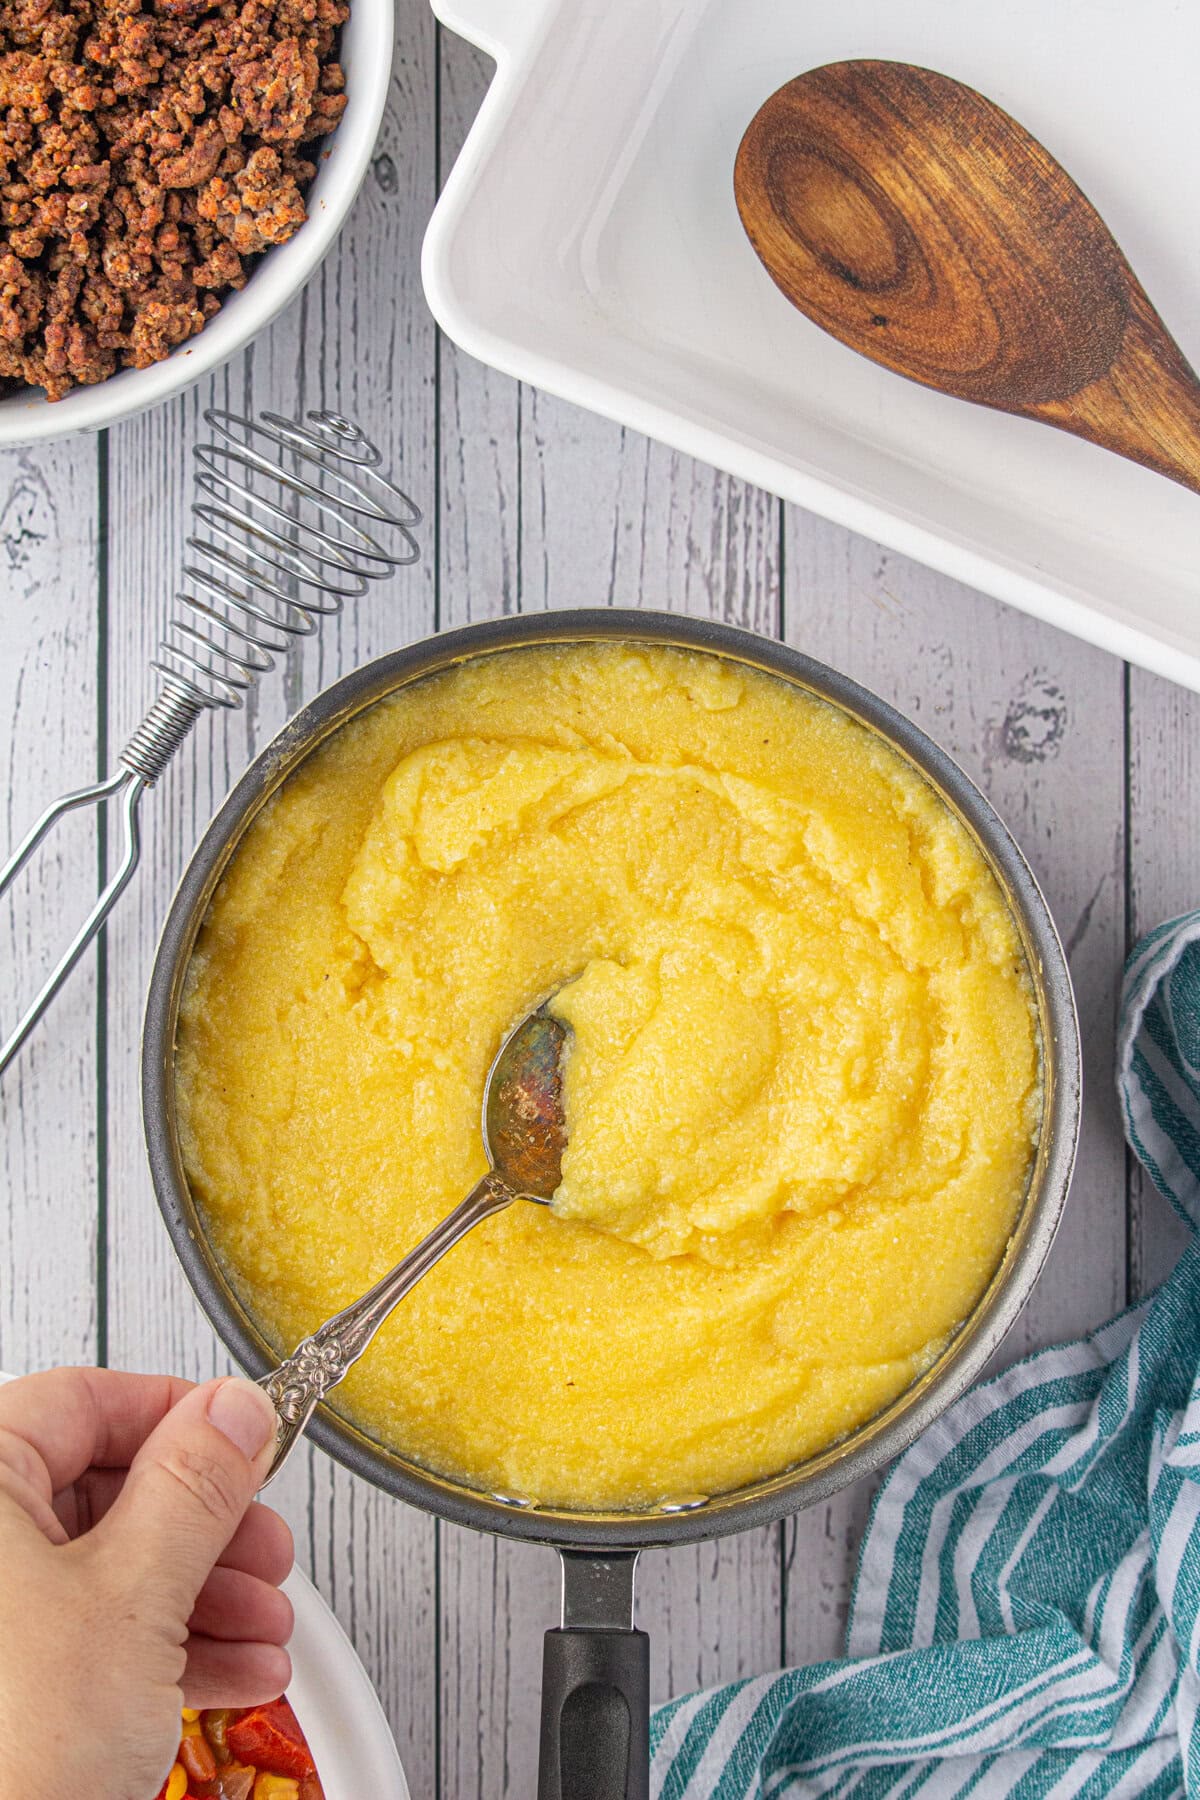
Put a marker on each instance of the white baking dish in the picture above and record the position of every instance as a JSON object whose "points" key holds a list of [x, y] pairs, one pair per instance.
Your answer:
{"points": [[587, 241]]}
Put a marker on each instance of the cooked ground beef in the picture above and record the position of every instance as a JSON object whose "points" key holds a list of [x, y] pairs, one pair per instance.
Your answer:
{"points": [[148, 149]]}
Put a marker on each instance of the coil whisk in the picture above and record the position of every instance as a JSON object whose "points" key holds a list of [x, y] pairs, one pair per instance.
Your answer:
{"points": [[293, 518]]}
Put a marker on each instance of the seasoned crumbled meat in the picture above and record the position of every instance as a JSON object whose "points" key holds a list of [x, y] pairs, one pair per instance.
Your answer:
{"points": [[274, 94], [260, 207], [199, 159], [148, 149]]}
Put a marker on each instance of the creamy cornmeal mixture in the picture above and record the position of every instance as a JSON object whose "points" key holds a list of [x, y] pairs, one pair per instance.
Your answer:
{"points": [[802, 1088]]}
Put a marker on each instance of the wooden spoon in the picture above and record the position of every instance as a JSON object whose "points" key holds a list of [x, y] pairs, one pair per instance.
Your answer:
{"points": [[918, 223]]}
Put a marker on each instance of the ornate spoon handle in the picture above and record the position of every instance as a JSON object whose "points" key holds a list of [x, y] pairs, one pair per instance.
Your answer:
{"points": [[318, 1363]]}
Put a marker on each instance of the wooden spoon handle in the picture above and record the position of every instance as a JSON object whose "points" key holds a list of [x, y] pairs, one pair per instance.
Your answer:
{"points": [[1146, 406]]}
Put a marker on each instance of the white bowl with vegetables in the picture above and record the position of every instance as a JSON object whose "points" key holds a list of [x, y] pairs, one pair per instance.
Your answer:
{"points": [[327, 1740]]}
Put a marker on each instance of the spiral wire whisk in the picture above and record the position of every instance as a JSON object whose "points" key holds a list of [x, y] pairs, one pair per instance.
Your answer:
{"points": [[293, 519]]}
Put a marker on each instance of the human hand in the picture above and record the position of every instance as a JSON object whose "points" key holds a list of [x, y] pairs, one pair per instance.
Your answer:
{"points": [[136, 1575]]}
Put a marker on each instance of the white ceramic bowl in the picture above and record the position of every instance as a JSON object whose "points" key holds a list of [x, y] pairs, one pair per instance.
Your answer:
{"points": [[366, 55], [337, 1707]]}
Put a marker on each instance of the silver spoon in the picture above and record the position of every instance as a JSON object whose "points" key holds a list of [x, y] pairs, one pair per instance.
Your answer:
{"points": [[524, 1135]]}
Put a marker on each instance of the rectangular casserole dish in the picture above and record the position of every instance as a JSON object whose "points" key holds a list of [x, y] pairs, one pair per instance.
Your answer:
{"points": [[587, 241]]}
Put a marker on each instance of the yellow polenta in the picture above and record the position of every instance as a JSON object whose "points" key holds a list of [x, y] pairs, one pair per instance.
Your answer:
{"points": [[802, 1090]]}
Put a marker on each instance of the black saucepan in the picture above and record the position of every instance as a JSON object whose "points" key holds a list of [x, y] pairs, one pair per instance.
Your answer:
{"points": [[596, 1669]]}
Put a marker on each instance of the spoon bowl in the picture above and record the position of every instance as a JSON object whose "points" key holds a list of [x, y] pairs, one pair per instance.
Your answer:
{"points": [[524, 1127], [917, 222]]}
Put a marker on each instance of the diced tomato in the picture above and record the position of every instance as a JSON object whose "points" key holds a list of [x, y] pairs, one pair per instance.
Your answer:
{"points": [[270, 1737]]}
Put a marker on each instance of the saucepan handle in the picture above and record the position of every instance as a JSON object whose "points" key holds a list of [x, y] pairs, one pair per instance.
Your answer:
{"points": [[595, 1716], [596, 1689]]}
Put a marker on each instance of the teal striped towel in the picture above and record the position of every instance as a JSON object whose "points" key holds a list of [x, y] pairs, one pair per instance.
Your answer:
{"points": [[1026, 1616]]}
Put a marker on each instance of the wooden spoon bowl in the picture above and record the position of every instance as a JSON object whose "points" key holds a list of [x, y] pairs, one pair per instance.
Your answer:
{"points": [[922, 226]]}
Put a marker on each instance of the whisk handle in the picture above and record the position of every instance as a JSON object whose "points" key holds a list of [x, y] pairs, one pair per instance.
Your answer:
{"points": [[293, 519], [161, 732], [126, 785], [139, 765]]}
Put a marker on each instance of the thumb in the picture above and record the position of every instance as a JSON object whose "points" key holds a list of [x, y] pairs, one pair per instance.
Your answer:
{"points": [[189, 1486]]}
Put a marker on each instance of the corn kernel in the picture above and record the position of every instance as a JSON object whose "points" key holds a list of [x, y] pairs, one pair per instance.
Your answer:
{"points": [[191, 1712], [177, 1783], [275, 1787], [191, 1728]]}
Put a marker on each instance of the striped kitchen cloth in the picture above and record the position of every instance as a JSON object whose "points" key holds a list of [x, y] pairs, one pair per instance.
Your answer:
{"points": [[1026, 1616]]}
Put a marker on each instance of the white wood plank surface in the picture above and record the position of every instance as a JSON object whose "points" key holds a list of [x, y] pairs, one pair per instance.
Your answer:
{"points": [[373, 1560], [1164, 881], [531, 504], [1037, 719], [544, 506], [605, 519], [51, 704]]}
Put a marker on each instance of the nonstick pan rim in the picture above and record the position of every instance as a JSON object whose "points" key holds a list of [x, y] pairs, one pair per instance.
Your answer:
{"points": [[890, 1432]]}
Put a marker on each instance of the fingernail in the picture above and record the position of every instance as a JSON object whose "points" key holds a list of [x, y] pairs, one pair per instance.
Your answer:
{"points": [[242, 1413]]}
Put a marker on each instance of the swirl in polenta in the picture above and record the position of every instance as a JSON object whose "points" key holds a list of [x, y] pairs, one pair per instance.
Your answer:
{"points": [[802, 1088]]}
